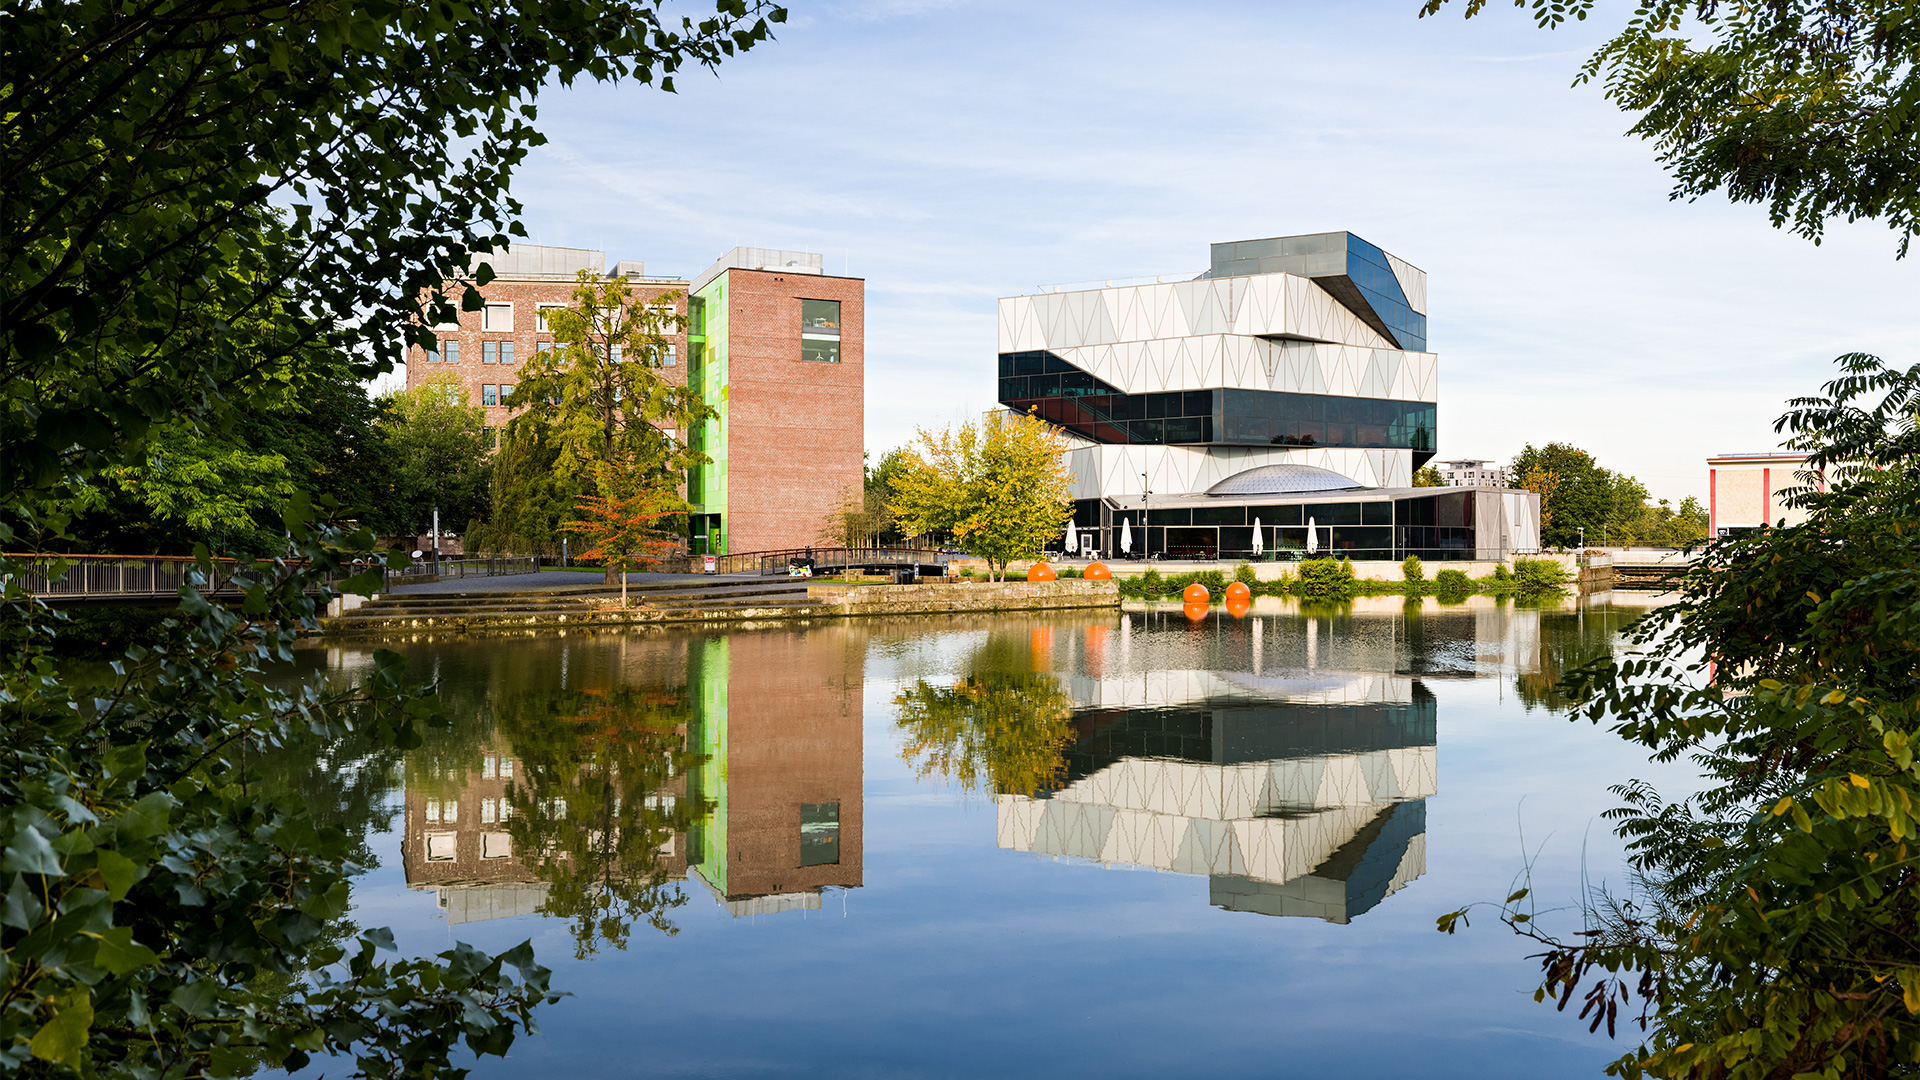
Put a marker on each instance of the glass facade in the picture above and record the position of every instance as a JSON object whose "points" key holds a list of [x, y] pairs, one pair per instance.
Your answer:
{"points": [[1063, 394], [1353, 270], [707, 372], [1437, 528]]}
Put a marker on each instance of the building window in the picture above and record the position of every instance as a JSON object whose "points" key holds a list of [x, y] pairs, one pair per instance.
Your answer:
{"points": [[496, 845], [489, 394], [540, 314], [505, 389], [819, 834], [667, 358], [498, 318], [616, 353], [543, 346], [820, 331], [450, 350], [442, 847], [506, 352], [489, 352]]}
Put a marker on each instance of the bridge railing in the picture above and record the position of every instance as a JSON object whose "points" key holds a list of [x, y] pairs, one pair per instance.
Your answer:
{"points": [[777, 561], [86, 576], [442, 569]]}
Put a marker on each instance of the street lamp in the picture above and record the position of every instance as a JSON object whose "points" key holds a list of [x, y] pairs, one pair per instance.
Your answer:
{"points": [[1145, 544]]}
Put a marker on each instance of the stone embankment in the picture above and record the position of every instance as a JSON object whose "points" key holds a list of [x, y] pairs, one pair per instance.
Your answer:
{"points": [[596, 608]]}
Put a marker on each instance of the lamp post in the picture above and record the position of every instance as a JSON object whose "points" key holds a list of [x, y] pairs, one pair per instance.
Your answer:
{"points": [[1145, 542]]}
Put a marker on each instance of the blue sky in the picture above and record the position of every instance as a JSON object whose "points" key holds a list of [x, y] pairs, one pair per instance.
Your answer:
{"points": [[955, 152]]}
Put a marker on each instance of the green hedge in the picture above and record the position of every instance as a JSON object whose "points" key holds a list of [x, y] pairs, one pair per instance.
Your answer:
{"points": [[1333, 579]]}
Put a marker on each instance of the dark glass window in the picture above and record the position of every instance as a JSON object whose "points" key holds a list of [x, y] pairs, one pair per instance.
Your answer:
{"points": [[1169, 517], [1277, 515], [820, 317], [1352, 540], [819, 834], [1220, 515], [820, 350], [1376, 513], [1334, 513]]}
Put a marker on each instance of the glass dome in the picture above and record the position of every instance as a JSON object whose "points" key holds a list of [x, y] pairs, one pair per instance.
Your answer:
{"points": [[1284, 480]]}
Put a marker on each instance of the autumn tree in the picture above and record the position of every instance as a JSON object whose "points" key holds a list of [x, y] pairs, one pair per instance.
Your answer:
{"points": [[1000, 487], [625, 523]]}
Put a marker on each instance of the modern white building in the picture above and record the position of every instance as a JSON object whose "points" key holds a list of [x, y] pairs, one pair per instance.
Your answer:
{"points": [[1286, 391], [1474, 472]]}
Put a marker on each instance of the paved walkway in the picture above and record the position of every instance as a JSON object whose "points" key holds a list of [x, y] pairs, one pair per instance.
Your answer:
{"points": [[554, 579]]}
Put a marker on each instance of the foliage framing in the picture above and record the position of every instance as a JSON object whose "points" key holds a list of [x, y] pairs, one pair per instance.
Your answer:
{"points": [[161, 916], [1811, 108], [1773, 926]]}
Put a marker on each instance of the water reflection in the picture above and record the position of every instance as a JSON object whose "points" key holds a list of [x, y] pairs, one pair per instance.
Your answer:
{"points": [[582, 780]]}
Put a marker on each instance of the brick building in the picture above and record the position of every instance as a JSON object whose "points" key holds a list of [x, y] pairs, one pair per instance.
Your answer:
{"points": [[778, 347], [775, 343]]}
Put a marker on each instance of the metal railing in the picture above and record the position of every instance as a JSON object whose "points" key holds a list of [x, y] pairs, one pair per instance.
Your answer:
{"points": [[442, 569], [127, 575], [824, 559]]}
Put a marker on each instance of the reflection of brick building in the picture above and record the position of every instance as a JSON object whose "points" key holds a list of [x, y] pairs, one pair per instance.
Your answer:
{"points": [[779, 717], [457, 842]]}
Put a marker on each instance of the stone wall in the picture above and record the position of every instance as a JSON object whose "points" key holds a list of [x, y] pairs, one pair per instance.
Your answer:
{"points": [[963, 596]]}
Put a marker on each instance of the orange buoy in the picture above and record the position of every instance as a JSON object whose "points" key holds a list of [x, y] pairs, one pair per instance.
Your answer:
{"points": [[1238, 606], [1098, 572], [1199, 611], [1040, 572], [1239, 591], [1195, 593]]}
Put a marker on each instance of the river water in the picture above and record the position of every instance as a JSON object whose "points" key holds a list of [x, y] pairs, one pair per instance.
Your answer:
{"points": [[1091, 844]]}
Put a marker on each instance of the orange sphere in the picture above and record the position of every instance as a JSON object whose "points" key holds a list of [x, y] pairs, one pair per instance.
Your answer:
{"points": [[1098, 572], [1195, 593], [1238, 606], [1239, 591], [1040, 572], [1198, 612]]}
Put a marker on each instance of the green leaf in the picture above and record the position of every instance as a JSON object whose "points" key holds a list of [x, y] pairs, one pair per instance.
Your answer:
{"points": [[62, 1038], [119, 873], [30, 853], [119, 953], [145, 819]]}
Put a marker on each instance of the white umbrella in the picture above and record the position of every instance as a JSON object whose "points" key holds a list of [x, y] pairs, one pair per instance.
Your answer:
{"points": [[1313, 544], [1126, 536], [1256, 536], [1072, 545]]}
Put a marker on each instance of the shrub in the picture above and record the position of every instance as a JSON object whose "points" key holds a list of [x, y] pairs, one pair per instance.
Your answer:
{"points": [[1070, 572], [1501, 573], [1452, 583], [1532, 574], [1244, 575], [1327, 579], [1214, 580], [1412, 570]]}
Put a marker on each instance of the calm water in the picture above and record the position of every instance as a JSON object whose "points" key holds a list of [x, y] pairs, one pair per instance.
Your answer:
{"points": [[1062, 845]]}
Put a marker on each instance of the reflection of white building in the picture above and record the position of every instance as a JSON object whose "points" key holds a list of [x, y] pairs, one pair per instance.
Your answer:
{"points": [[1294, 796]]}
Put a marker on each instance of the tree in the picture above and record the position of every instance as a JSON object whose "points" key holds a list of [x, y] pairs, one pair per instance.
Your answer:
{"points": [[1428, 476], [440, 452], [883, 486], [1772, 927], [200, 200], [1000, 487], [1810, 108], [623, 526], [860, 517], [600, 393], [588, 813]]}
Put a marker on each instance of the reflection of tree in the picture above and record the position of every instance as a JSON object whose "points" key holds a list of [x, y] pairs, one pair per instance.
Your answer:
{"points": [[1568, 639], [593, 815], [1002, 723]]}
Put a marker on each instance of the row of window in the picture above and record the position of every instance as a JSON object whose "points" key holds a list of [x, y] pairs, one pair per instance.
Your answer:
{"points": [[497, 318], [1349, 541], [491, 394], [1451, 510], [502, 352]]}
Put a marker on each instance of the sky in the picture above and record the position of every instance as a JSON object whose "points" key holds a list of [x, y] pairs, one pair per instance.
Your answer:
{"points": [[952, 153]]}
